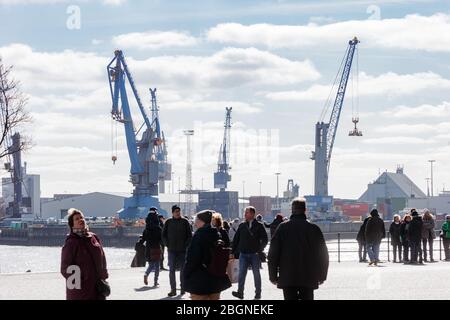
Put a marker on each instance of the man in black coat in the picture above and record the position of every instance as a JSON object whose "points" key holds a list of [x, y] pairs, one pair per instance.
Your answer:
{"points": [[177, 234], [361, 238], [298, 255], [248, 243], [274, 225], [415, 237], [375, 232], [197, 279]]}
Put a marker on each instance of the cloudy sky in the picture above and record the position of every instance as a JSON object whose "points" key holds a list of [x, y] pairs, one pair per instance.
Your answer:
{"points": [[273, 61]]}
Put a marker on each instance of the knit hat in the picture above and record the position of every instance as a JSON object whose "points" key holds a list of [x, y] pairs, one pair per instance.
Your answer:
{"points": [[175, 207], [205, 216], [414, 213], [374, 213]]}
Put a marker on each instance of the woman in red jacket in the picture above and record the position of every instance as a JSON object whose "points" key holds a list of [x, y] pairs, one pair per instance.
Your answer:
{"points": [[83, 262]]}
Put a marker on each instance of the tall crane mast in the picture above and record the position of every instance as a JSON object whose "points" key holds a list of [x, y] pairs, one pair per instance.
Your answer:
{"points": [[221, 176], [165, 168], [326, 132], [142, 153]]}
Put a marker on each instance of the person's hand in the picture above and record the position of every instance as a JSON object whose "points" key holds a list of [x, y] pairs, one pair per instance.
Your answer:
{"points": [[320, 283], [231, 256], [274, 282]]}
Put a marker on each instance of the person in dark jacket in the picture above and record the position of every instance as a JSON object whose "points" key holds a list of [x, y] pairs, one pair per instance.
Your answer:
{"points": [[445, 234], [161, 224], [404, 237], [198, 281], [396, 243], [360, 237], [217, 222], [152, 238], [248, 242], [414, 232], [274, 225], [298, 255], [374, 233], [83, 261], [177, 235], [428, 235]]}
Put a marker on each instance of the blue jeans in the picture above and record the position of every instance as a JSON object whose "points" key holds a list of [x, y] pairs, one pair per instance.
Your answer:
{"points": [[176, 259], [246, 260], [373, 250], [153, 266]]}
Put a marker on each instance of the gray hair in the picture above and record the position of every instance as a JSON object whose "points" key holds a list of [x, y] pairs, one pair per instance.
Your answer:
{"points": [[298, 205]]}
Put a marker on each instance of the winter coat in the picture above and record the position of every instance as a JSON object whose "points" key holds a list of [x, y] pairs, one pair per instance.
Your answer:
{"points": [[177, 234], [233, 229], [414, 229], [251, 240], [224, 236], [86, 253], [152, 237], [394, 231], [298, 254], [197, 279], [403, 233], [274, 225], [361, 237], [374, 230], [446, 230], [428, 229]]}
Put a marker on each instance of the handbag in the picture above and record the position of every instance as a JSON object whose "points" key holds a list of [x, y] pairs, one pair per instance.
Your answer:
{"points": [[102, 286]]}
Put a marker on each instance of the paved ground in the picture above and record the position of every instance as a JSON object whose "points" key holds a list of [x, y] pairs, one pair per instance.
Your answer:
{"points": [[346, 281]]}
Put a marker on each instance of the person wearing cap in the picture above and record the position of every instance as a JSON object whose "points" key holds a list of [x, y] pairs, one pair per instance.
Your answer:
{"points": [[446, 237], [415, 237], [394, 231], [298, 255], [198, 281], [176, 235], [374, 233]]}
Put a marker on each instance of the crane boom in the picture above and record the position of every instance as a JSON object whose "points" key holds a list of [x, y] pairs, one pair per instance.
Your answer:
{"points": [[326, 132], [221, 177], [142, 153]]}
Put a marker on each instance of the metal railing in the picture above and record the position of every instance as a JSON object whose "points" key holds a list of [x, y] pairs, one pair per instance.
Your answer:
{"points": [[385, 246]]}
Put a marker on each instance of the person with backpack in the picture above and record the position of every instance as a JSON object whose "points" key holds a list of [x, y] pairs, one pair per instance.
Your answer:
{"points": [[361, 238], [394, 231], [152, 238], [248, 245], [414, 232], [206, 261]]}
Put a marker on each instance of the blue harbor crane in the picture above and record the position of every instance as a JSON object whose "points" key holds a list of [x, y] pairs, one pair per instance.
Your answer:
{"points": [[326, 132], [143, 152], [221, 176]]}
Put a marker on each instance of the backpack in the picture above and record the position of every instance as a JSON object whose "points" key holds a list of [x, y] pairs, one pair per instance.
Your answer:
{"points": [[219, 259]]}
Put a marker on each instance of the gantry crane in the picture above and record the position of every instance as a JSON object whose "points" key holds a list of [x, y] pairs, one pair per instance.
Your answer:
{"points": [[326, 132], [221, 176], [144, 171]]}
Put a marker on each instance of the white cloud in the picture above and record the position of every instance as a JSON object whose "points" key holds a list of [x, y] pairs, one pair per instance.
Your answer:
{"points": [[419, 112], [154, 40], [390, 84], [27, 2], [397, 140], [415, 32], [425, 130], [96, 42]]}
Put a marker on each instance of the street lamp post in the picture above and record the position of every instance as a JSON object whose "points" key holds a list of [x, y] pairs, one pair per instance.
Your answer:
{"points": [[260, 188], [278, 197], [243, 192], [431, 163]]}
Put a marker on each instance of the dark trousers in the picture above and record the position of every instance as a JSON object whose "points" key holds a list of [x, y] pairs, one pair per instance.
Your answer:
{"points": [[416, 251], [406, 251], [362, 248], [397, 248], [161, 262], [176, 259], [430, 247], [298, 293], [446, 242]]}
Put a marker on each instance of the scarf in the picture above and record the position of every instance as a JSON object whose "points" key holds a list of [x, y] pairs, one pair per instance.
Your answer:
{"points": [[80, 232]]}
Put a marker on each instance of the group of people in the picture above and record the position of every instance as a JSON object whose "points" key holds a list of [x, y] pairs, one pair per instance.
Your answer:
{"points": [[297, 257], [411, 237]]}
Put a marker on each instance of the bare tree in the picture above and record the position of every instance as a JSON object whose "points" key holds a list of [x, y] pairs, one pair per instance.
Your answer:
{"points": [[12, 112]]}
